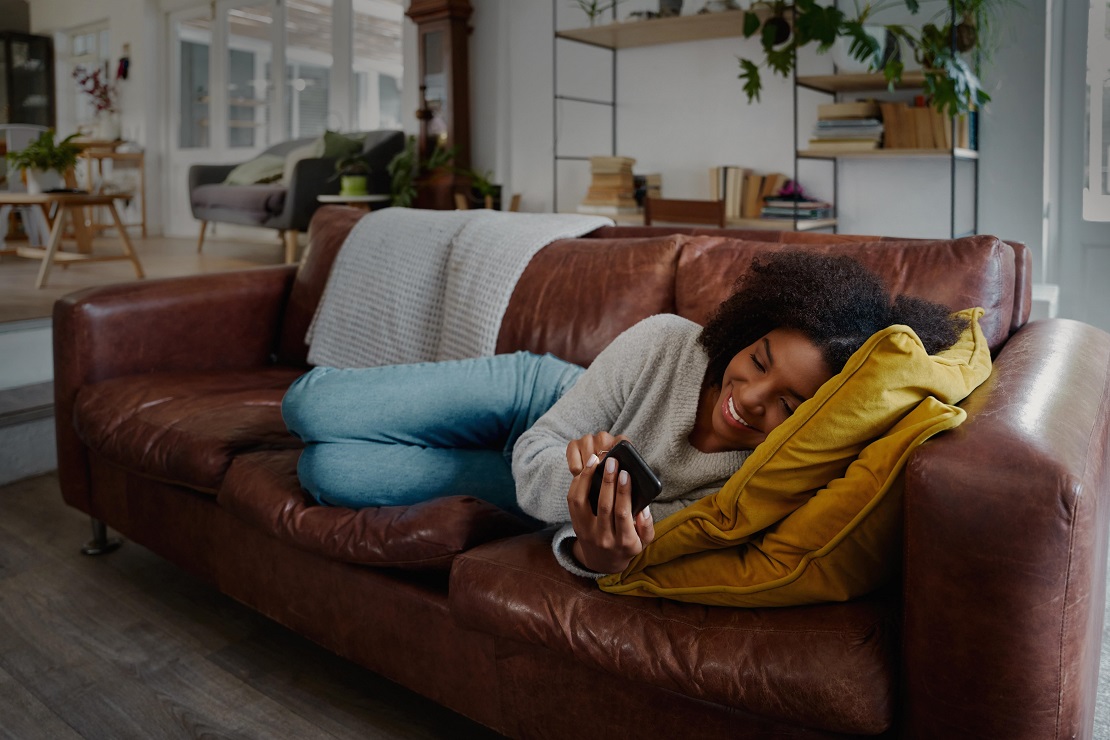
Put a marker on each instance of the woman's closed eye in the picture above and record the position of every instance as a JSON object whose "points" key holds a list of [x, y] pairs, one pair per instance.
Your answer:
{"points": [[759, 365]]}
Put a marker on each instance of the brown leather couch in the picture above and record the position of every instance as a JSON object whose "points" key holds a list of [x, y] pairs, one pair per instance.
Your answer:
{"points": [[169, 430]]}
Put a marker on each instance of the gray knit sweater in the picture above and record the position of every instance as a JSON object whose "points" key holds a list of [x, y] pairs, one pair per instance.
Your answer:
{"points": [[644, 385]]}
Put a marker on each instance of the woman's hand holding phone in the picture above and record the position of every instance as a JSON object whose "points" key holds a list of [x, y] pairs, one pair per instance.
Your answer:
{"points": [[606, 542]]}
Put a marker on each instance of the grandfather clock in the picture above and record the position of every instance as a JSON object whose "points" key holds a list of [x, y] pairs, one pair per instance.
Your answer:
{"points": [[443, 39]]}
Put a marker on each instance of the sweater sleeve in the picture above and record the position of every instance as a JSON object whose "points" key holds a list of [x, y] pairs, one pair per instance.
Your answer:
{"points": [[594, 404]]}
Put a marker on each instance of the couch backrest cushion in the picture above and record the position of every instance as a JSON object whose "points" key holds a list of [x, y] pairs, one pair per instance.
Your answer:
{"points": [[329, 228], [577, 295], [959, 273]]}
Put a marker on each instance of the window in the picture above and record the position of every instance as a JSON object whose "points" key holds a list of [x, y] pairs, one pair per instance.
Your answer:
{"points": [[1096, 193], [89, 50]]}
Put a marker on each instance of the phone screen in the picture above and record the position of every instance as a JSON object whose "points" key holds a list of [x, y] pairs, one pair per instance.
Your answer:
{"points": [[645, 483]]}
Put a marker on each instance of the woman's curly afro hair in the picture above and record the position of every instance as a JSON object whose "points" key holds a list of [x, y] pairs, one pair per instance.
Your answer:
{"points": [[833, 300]]}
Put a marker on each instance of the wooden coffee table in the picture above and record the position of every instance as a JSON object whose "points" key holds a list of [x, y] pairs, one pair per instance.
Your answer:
{"points": [[73, 205]]}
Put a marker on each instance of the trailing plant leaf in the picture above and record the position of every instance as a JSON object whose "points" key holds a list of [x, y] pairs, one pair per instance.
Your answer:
{"points": [[818, 23], [863, 46], [751, 24], [749, 73]]}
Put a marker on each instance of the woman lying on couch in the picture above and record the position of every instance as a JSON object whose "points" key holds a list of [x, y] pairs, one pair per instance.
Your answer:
{"points": [[515, 429]]}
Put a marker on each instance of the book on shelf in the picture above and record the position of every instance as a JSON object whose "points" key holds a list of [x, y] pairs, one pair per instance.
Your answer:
{"points": [[800, 213], [752, 204], [611, 164], [727, 183], [856, 109], [922, 127]]}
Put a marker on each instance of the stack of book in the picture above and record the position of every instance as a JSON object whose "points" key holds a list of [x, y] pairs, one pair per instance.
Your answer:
{"points": [[743, 189], [847, 127], [801, 209], [612, 187]]}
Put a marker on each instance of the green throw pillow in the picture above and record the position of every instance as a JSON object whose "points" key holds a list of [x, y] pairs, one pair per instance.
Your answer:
{"points": [[263, 168], [338, 146]]}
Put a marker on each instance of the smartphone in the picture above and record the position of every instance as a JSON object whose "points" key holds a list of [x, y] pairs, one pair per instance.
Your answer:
{"points": [[645, 483]]}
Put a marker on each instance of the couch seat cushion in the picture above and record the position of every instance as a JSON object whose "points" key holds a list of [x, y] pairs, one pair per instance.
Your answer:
{"points": [[830, 667], [249, 204], [185, 428], [262, 489]]}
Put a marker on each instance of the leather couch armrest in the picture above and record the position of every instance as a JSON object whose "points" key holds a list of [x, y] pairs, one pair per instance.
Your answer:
{"points": [[1005, 547], [225, 320]]}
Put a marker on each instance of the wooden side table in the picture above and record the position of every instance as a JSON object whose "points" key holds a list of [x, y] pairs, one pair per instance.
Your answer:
{"points": [[73, 205], [95, 157], [360, 201]]}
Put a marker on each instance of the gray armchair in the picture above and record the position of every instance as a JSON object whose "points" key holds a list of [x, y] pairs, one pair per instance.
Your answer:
{"points": [[286, 207]]}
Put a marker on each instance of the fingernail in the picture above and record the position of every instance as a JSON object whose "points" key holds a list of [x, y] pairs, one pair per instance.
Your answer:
{"points": [[623, 478], [592, 461], [610, 465], [647, 512]]}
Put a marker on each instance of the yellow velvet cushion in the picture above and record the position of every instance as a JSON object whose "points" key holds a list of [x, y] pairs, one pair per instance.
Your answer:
{"points": [[814, 514]]}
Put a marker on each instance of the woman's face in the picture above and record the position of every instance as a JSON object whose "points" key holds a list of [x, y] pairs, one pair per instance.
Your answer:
{"points": [[763, 385]]}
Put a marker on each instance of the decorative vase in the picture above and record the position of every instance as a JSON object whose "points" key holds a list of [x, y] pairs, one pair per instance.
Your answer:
{"points": [[107, 126], [352, 185]]}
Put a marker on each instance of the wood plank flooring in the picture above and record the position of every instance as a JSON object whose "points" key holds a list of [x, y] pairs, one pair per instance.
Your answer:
{"points": [[160, 256], [128, 646]]}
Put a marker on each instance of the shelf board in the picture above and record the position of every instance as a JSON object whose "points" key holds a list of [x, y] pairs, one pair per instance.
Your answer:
{"points": [[656, 31], [761, 224], [858, 82], [963, 154]]}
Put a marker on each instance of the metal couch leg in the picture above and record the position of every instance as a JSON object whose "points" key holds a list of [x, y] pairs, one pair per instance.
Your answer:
{"points": [[101, 543]]}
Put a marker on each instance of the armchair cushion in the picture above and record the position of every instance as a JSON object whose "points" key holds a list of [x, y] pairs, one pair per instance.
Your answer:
{"points": [[250, 205], [807, 518], [263, 168], [337, 146], [310, 150]]}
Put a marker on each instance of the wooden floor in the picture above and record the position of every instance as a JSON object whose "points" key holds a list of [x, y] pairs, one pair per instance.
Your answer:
{"points": [[161, 257], [127, 646]]}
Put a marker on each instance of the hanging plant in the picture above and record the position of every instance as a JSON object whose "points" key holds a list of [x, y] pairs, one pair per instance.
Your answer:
{"points": [[950, 82]]}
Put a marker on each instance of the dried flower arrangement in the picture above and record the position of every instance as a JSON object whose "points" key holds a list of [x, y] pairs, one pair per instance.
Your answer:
{"points": [[94, 84]]}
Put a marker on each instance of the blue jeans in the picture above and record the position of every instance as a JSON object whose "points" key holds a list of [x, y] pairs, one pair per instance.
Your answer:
{"points": [[400, 434]]}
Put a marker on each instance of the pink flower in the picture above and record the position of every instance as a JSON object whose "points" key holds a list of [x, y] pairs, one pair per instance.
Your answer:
{"points": [[93, 84]]}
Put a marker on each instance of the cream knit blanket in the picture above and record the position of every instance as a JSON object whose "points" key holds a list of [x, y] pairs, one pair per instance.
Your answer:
{"points": [[415, 286]]}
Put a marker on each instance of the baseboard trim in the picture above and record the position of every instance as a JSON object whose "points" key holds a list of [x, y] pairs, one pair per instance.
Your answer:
{"points": [[26, 404]]}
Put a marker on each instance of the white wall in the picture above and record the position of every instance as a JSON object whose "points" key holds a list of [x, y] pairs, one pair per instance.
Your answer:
{"points": [[681, 110]]}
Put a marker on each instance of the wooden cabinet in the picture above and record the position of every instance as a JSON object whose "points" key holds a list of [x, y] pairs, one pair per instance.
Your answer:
{"points": [[443, 37], [27, 79]]}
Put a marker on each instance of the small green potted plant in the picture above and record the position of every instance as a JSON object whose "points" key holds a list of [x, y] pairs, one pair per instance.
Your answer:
{"points": [[352, 172], [45, 161], [484, 191], [407, 169]]}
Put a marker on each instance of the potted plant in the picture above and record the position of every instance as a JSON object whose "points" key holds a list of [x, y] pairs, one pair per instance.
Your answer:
{"points": [[406, 168], [352, 172], [44, 156], [594, 8], [483, 190], [950, 81]]}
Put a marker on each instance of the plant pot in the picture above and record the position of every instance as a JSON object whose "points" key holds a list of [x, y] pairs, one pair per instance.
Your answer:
{"points": [[670, 8], [107, 126], [39, 181], [352, 185], [491, 201]]}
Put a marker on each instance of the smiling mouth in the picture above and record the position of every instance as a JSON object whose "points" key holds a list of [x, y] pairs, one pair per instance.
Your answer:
{"points": [[735, 416]]}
